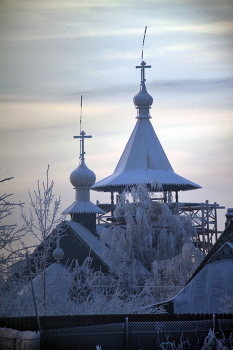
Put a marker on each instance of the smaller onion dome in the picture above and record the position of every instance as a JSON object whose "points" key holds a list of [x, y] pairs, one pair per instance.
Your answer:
{"points": [[143, 99], [58, 254], [82, 176]]}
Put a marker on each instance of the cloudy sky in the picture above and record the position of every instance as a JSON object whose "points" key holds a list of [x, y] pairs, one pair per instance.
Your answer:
{"points": [[51, 52]]}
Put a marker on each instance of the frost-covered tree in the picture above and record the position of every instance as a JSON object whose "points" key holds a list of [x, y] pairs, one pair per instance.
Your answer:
{"points": [[170, 275], [92, 292], [11, 244], [43, 227], [83, 281], [148, 234]]}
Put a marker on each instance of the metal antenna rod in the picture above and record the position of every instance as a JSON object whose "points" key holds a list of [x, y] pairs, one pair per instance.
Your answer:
{"points": [[80, 122], [143, 41], [143, 63]]}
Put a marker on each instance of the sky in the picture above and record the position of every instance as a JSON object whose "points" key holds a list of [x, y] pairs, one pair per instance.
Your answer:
{"points": [[52, 52]]}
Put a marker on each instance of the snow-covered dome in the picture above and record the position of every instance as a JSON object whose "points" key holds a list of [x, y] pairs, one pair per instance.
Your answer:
{"points": [[82, 176], [58, 253], [143, 99]]}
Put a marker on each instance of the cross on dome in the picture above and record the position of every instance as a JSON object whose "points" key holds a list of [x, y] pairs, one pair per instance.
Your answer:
{"points": [[82, 137], [143, 66]]}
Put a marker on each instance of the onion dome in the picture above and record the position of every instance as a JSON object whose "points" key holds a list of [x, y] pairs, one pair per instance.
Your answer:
{"points": [[58, 253], [82, 176], [143, 99], [143, 102]]}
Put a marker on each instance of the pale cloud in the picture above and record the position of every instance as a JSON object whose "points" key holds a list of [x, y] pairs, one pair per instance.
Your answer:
{"points": [[54, 51], [224, 27]]}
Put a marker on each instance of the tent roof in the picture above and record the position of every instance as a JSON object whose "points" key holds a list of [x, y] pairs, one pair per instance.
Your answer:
{"points": [[82, 207], [144, 161]]}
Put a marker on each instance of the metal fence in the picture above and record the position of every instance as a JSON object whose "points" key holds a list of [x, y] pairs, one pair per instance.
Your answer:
{"points": [[134, 335], [7, 343], [130, 332]]}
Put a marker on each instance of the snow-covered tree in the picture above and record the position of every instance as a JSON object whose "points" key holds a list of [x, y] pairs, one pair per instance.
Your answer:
{"points": [[148, 234], [11, 244], [42, 228], [148, 247], [83, 282], [92, 292]]}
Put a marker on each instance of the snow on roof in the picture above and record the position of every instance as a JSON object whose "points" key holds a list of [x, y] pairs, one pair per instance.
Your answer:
{"points": [[87, 237], [213, 282], [137, 176], [144, 161], [100, 228], [57, 281], [226, 237], [204, 292], [82, 207]]}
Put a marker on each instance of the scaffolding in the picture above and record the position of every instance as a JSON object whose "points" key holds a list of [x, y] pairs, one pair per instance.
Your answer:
{"points": [[204, 217]]}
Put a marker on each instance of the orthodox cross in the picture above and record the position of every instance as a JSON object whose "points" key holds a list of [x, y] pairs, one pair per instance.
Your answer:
{"points": [[82, 134], [143, 66], [82, 137]]}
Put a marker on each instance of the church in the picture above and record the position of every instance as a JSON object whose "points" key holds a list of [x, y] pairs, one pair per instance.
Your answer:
{"points": [[143, 161]]}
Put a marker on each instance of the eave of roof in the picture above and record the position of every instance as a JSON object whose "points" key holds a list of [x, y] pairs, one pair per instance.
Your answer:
{"points": [[169, 180], [83, 207]]}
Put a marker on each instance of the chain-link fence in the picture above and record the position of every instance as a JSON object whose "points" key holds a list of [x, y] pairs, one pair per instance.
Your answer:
{"points": [[133, 335], [7, 343]]}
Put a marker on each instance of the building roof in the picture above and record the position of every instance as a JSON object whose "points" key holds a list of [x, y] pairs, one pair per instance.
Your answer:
{"points": [[82, 207], [55, 280], [226, 237], [143, 159], [88, 238], [204, 293], [212, 281]]}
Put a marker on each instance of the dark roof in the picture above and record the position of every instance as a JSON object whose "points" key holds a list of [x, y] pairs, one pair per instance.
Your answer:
{"points": [[226, 236]]}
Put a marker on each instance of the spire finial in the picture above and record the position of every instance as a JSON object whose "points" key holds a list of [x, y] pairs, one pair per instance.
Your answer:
{"points": [[82, 134], [143, 63], [143, 42], [81, 111]]}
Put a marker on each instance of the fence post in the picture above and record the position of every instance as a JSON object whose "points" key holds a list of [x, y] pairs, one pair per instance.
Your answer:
{"points": [[126, 333], [214, 322]]}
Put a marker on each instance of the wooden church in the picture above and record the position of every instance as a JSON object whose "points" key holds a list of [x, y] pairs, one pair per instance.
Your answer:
{"points": [[143, 161]]}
